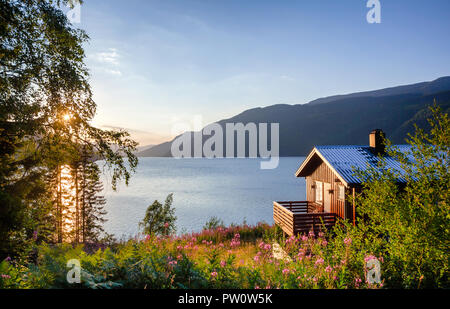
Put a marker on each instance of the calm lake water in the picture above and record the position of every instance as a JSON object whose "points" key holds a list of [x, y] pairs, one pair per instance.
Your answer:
{"points": [[231, 189]]}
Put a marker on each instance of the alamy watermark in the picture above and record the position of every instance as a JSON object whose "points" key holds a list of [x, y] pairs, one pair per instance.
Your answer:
{"points": [[74, 13], [373, 274], [239, 140], [74, 273], [374, 14]]}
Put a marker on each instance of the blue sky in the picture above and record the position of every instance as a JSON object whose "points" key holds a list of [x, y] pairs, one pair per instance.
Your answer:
{"points": [[155, 63]]}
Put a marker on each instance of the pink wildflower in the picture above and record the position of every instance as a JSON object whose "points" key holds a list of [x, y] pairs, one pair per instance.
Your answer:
{"points": [[319, 261], [328, 269], [214, 274], [348, 241], [369, 257], [223, 263]]}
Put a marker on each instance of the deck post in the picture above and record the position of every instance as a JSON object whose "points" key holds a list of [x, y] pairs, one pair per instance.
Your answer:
{"points": [[354, 212]]}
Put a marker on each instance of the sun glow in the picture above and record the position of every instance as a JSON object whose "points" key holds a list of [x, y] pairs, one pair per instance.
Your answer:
{"points": [[67, 117], [67, 195]]}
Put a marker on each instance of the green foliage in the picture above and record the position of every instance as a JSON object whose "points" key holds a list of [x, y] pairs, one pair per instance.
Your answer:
{"points": [[192, 261], [213, 223], [46, 109], [409, 224], [159, 219]]}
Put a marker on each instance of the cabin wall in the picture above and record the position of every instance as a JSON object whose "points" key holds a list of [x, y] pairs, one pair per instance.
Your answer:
{"points": [[324, 174]]}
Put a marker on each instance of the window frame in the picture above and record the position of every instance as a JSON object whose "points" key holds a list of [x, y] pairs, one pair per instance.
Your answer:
{"points": [[339, 197], [318, 184]]}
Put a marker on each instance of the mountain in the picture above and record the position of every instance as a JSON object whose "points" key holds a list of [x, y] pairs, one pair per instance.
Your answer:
{"points": [[344, 119], [141, 150]]}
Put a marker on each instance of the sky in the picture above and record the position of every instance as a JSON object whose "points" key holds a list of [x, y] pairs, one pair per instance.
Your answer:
{"points": [[155, 64]]}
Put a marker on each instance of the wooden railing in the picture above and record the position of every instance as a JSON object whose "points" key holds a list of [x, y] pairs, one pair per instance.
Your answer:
{"points": [[296, 217]]}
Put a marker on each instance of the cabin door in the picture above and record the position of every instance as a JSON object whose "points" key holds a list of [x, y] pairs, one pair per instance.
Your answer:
{"points": [[326, 197]]}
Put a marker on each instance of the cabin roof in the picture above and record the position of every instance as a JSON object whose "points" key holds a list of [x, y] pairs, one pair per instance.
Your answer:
{"points": [[344, 159]]}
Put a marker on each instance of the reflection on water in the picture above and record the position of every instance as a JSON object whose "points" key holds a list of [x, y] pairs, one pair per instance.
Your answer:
{"points": [[231, 189]]}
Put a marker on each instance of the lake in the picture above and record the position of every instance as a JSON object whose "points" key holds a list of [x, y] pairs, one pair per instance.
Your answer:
{"points": [[230, 189]]}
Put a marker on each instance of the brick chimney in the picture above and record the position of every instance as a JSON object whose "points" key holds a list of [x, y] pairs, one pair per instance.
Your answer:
{"points": [[376, 141]]}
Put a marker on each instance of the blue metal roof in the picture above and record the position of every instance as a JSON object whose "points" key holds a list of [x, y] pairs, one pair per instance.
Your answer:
{"points": [[346, 158]]}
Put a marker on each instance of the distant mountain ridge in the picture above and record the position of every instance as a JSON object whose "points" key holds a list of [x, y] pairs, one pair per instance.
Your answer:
{"points": [[343, 119]]}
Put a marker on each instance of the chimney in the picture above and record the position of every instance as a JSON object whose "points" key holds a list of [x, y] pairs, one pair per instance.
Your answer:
{"points": [[376, 139]]}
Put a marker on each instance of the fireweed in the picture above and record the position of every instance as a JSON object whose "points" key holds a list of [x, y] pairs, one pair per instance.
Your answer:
{"points": [[239, 256]]}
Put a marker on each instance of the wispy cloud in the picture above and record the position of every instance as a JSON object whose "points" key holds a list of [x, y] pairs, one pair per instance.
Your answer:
{"points": [[108, 61], [113, 72], [111, 56]]}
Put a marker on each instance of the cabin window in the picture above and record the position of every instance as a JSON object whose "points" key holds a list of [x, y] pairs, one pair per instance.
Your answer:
{"points": [[341, 193], [319, 192]]}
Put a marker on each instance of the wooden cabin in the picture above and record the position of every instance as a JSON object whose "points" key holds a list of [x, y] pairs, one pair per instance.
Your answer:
{"points": [[330, 178]]}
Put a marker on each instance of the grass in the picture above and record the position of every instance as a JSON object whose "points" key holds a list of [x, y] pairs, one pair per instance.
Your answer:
{"points": [[233, 257]]}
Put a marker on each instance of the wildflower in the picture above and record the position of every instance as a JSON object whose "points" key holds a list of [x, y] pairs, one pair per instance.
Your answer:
{"points": [[179, 257], [223, 263], [320, 234], [6, 276], [348, 241], [221, 245], [214, 274], [267, 247], [319, 261], [285, 271], [166, 225], [8, 259], [304, 238], [256, 258], [179, 247], [324, 243], [369, 257], [35, 234], [328, 269], [257, 287], [147, 237], [311, 234]]}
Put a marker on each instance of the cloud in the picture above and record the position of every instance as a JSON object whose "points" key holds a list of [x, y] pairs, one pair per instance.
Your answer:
{"points": [[109, 57], [107, 61], [113, 72]]}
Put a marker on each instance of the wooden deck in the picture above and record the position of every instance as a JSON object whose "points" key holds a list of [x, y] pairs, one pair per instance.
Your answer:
{"points": [[297, 217]]}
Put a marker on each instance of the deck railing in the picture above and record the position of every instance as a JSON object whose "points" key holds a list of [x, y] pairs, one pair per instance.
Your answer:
{"points": [[296, 217]]}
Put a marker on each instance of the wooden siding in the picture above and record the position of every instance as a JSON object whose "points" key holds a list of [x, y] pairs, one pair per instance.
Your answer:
{"points": [[324, 174]]}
